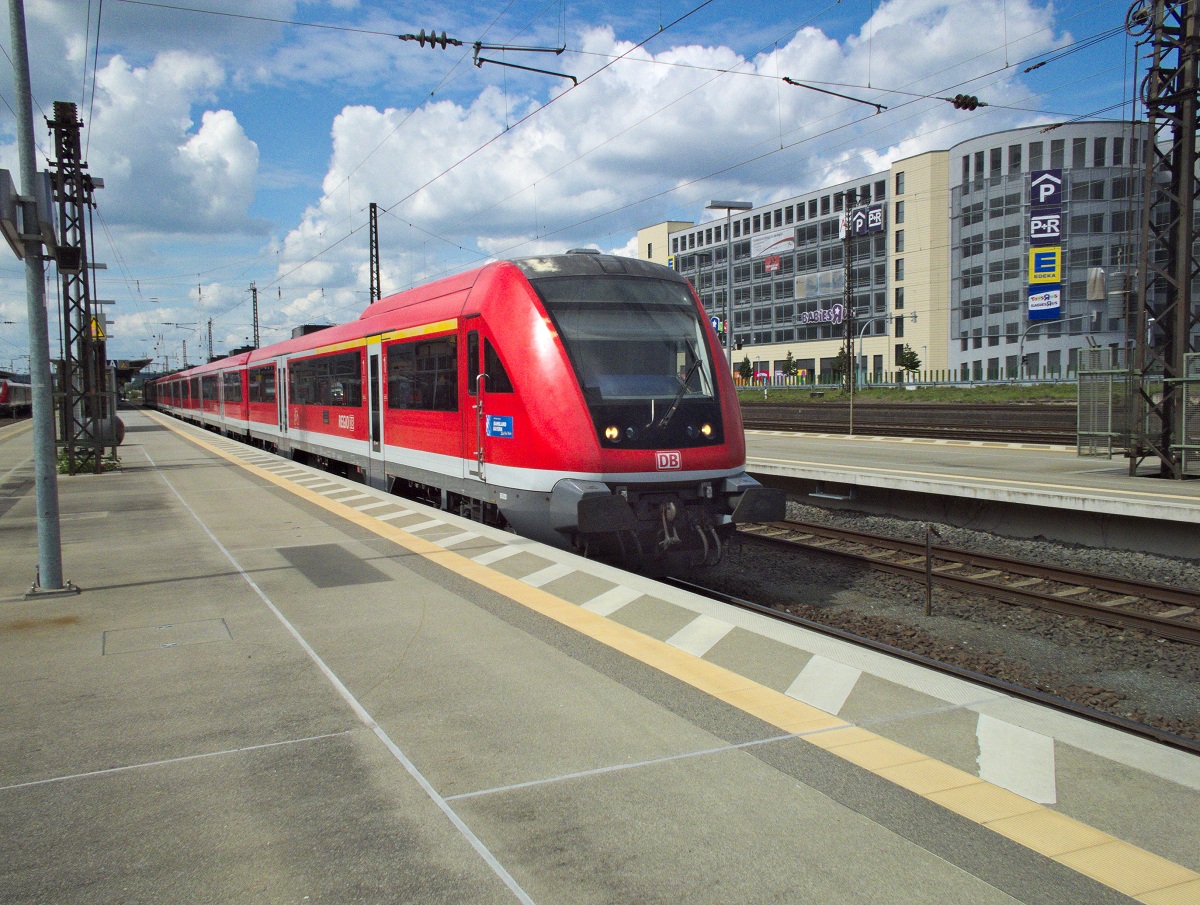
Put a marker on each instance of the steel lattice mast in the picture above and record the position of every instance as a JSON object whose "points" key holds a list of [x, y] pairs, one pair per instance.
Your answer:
{"points": [[82, 410], [1165, 317]]}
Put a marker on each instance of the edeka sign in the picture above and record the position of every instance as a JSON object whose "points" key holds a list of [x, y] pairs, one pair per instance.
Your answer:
{"points": [[1045, 265], [1044, 302]]}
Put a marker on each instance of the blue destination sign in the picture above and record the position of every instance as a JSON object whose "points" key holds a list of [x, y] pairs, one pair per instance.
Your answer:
{"points": [[500, 426]]}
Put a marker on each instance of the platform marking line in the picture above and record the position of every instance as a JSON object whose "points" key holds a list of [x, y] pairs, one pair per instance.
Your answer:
{"points": [[700, 635], [1133, 871], [403, 513], [378, 504], [611, 600], [1017, 759], [824, 683], [543, 577], [617, 768], [491, 556], [174, 760], [456, 539], [359, 711], [942, 480]]}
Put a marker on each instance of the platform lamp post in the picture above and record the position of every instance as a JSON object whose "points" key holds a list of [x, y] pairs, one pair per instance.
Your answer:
{"points": [[729, 206]]}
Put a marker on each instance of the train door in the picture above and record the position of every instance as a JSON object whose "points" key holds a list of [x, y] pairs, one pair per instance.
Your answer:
{"points": [[281, 395], [489, 425], [376, 469]]}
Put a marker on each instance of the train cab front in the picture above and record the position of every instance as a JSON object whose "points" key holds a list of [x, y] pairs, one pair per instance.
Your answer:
{"points": [[672, 484]]}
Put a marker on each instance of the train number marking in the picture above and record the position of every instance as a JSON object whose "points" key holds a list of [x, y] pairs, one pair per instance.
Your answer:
{"points": [[668, 461], [346, 422]]}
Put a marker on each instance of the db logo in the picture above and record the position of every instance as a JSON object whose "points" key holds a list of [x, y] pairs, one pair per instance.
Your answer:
{"points": [[668, 461]]}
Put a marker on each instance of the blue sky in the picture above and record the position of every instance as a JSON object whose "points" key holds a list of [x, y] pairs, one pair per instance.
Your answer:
{"points": [[239, 149]]}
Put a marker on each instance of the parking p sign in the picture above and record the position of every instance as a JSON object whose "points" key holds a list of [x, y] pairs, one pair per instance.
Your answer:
{"points": [[1045, 264]]}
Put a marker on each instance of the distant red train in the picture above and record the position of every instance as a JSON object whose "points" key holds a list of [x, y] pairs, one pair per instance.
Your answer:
{"points": [[578, 398], [15, 398]]}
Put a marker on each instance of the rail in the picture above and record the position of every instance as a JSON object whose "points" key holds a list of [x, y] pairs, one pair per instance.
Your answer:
{"points": [[1167, 612]]}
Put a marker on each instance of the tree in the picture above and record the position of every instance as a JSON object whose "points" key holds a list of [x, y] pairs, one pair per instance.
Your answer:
{"points": [[908, 359], [789, 365], [745, 369]]}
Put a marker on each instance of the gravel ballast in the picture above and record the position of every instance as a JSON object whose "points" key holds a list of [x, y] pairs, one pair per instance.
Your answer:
{"points": [[1127, 673]]}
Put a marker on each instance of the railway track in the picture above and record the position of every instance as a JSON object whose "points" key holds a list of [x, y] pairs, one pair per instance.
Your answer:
{"points": [[1052, 423], [1163, 611]]}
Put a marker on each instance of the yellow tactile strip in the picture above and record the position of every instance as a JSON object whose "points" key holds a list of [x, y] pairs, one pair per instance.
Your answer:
{"points": [[1128, 869]]}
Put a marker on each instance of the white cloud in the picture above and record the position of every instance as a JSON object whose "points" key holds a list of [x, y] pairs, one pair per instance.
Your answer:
{"points": [[647, 137], [162, 174]]}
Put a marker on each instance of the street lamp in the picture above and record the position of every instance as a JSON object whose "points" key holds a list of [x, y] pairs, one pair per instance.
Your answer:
{"points": [[1033, 326], [728, 206]]}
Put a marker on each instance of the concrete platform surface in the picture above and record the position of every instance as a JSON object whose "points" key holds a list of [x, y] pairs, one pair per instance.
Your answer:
{"points": [[280, 686]]}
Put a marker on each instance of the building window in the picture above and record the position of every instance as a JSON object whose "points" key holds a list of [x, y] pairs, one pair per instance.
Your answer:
{"points": [[1099, 152], [899, 211], [1057, 150], [1035, 155], [966, 169], [899, 326], [899, 269], [838, 199], [899, 298], [812, 208], [1079, 152], [899, 240], [758, 223], [1118, 152], [778, 219], [994, 158], [649, 251], [900, 183], [824, 205], [880, 188], [675, 246], [1014, 159]]}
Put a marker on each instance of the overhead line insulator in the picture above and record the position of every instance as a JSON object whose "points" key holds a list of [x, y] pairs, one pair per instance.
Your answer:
{"points": [[433, 39], [966, 102]]}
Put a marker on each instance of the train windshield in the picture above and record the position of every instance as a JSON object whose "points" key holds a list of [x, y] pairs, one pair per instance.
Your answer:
{"points": [[630, 339]]}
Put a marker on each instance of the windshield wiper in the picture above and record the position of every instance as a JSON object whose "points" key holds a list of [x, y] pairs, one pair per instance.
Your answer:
{"points": [[662, 423]]}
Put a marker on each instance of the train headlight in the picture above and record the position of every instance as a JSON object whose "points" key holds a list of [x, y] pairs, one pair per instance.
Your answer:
{"points": [[631, 433], [612, 433], [706, 430]]}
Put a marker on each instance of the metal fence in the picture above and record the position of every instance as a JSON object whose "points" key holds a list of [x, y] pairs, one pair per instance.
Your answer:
{"points": [[1104, 405]]}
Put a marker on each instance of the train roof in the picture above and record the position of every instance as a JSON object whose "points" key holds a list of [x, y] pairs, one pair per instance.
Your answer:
{"points": [[445, 298]]}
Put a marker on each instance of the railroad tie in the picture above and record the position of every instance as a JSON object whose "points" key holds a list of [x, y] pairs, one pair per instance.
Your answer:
{"points": [[1026, 582], [949, 567], [1120, 601], [1071, 592], [990, 573], [1177, 612], [911, 561]]}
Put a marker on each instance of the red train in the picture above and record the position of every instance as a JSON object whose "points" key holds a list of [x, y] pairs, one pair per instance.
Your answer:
{"points": [[578, 398], [15, 398]]}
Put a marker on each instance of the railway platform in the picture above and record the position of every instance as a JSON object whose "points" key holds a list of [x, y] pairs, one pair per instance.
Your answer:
{"points": [[1022, 490], [276, 685]]}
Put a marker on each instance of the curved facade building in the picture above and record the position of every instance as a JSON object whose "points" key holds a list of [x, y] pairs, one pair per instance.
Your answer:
{"points": [[946, 267]]}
